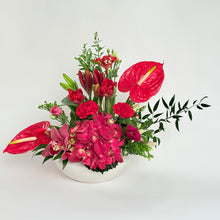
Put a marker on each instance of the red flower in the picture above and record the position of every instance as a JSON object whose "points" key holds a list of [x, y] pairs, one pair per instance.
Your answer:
{"points": [[98, 77], [143, 80], [132, 133], [86, 81], [107, 88], [76, 96], [56, 111], [59, 141], [106, 61], [97, 142], [87, 108], [124, 110], [29, 138]]}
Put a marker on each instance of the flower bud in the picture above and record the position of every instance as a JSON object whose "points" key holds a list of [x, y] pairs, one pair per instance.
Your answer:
{"points": [[53, 117], [142, 108], [86, 81], [96, 89], [151, 144], [136, 107]]}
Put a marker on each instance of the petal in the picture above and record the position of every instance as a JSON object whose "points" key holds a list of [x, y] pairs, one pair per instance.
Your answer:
{"points": [[30, 131], [143, 80], [64, 131]]}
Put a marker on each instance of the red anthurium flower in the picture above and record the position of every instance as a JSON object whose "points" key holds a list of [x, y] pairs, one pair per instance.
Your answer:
{"points": [[143, 80], [29, 138]]}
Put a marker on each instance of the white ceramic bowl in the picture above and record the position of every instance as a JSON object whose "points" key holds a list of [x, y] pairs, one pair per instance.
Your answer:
{"points": [[77, 171]]}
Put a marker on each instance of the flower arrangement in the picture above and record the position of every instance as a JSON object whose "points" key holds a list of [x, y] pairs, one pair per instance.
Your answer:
{"points": [[100, 132]]}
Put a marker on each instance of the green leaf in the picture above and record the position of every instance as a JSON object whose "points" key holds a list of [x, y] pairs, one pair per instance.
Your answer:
{"points": [[147, 123], [149, 108], [177, 116], [65, 86], [205, 97], [194, 102], [154, 139], [126, 121], [68, 80], [148, 132], [47, 158], [186, 103], [172, 109], [177, 124], [65, 163], [165, 104], [67, 101], [146, 116], [172, 100], [190, 115], [179, 106], [58, 156], [38, 153], [158, 141], [156, 131], [156, 105], [200, 108], [157, 115], [161, 127], [205, 105], [40, 147], [179, 111]]}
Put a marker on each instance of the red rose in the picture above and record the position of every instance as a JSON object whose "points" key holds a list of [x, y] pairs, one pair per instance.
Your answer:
{"points": [[76, 96], [107, 88], [86, 108], [124, 110]]}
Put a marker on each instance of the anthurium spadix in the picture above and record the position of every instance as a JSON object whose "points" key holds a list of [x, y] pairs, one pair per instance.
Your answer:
{"points": [[143, 80], [29, 138]]}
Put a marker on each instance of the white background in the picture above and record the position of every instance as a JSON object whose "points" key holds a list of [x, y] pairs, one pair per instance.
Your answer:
{"points": [[38, 42]]}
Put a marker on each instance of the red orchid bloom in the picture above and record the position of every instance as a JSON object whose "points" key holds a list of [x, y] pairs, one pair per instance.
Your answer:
{"points": [[143, 80], [29, 138]]}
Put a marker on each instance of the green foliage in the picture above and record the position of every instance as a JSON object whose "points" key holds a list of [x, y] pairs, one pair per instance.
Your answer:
{"points": [[87, 57], [58, 156], [47, 106], [173, 111], [47, 158], [108, 167], [64, 163], [70, 83], [96, 45]]}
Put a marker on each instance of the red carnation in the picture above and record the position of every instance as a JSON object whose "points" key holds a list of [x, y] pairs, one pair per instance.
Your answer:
{"points": [[107, 88], [56, 111], [76, 96], [132, 133], [87, 108], [124, 110]]}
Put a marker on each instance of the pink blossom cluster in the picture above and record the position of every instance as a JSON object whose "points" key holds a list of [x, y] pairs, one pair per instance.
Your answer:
{"points": [[96, 143]]}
